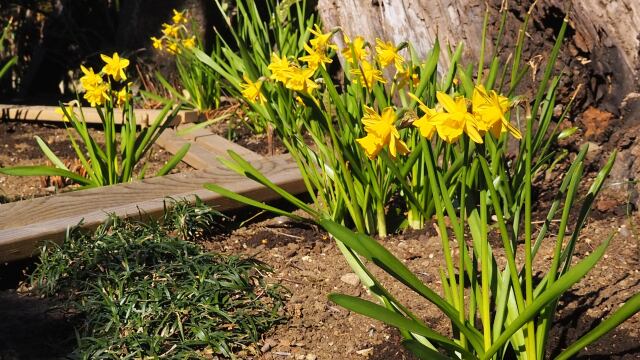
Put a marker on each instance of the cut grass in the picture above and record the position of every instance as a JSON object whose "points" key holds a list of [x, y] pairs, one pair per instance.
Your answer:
{"points": [[144, 292]]}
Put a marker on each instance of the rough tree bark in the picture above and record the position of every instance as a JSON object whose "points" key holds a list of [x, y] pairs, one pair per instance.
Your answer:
{"points": [[603, 32], [419, 22]]}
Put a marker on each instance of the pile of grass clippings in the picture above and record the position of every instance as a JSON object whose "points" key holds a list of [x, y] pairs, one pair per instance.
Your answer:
{"points": [[142, 291]]}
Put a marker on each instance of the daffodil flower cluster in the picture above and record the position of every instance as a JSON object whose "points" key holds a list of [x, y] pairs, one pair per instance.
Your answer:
{"points": [[175, 35], [450, 118], [290, 73], [98, 86], [366, 72]]}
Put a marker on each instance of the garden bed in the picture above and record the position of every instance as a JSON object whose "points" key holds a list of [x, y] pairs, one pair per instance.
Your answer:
{"points": [[307, 262]]}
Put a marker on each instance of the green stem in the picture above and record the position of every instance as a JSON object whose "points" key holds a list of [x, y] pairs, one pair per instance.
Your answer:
{"points": [[461, 241], [444, 237], [484, 258]]}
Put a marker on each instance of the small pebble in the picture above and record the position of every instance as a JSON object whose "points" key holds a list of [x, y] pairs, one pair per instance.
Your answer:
{"points": [[350, 278]]}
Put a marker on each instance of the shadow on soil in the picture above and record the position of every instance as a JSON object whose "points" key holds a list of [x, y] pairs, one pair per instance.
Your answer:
{"points": [[33, 328], [574, 320]]}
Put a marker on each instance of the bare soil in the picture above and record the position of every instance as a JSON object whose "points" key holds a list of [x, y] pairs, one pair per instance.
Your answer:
{"points": [[309, 264]]}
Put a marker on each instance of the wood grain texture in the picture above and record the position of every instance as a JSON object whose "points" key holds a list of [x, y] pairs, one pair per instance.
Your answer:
{"points": [[24, 225], [217, 144], [197, 157], [48, 113], [206, 147]]}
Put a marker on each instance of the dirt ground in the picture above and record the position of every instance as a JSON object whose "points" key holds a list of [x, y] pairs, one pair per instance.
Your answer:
{"points": [[311, 266], [307, 262]]}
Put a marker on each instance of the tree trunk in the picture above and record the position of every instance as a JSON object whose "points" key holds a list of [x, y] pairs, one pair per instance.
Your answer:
{"points": [[603, 34], [417, 21]]}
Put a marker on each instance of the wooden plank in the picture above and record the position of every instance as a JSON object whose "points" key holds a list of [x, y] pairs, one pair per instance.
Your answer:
{"points": [[217, 144], [30, 113], [24, 225], [198, 157]]}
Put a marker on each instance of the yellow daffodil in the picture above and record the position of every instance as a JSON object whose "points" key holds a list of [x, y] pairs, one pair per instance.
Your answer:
{"points": [[456, 120], [170, 30], [321, 40], [173, 48], [280, 68], [387, 54], [406, 76], [122, 97], [367, 74], [371, 144], [355, 51], [300, 80], [314, 59], [97, 95], [189, 42], [252, 91], [69, 107], [489, 109], [114, 66], [157, 43], [178, 17], [425, 123], [381, 131], [90, 79]]}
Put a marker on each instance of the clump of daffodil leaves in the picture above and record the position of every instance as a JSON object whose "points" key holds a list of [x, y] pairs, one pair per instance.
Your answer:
{"points": [[196, 86], [110, 95], [398, 128]]}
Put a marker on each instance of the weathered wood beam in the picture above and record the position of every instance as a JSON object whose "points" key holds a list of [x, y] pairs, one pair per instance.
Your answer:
{"points": [[24, 225], [28, 113]]}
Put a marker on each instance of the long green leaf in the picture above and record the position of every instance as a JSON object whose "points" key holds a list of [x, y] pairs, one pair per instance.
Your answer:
{"points": [[389, 317], [44, 171], [553, 292], [422, 351], [373, 251], [175, 159], [248, 201], [7, 66], [50, 155], [244, 167]]}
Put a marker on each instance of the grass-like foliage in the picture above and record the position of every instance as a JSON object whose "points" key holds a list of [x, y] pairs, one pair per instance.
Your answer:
{"points": [[143, 292], [441, 143]]}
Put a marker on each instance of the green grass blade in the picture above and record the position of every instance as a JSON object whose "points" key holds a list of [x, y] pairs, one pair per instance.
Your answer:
{"points": [[44, 171], [423, 352], [551, 294], [202, 125], [374, 251], [244, 167], [389, 317], [7, 66], [175, 159], [248, 201], [50, 155]]}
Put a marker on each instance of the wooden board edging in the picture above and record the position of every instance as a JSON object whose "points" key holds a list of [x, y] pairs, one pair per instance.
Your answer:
{"points": [[37, 113], [25, 224], [205, 148]]}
